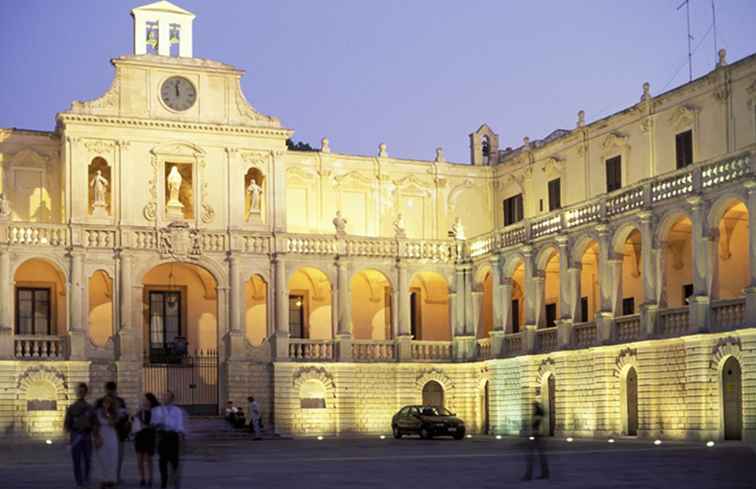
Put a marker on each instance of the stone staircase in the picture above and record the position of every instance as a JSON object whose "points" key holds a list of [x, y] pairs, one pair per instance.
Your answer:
{"points": [[216, 427]]}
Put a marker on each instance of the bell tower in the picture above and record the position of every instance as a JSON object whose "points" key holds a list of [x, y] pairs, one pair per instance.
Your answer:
{"points": [[163, 28]]}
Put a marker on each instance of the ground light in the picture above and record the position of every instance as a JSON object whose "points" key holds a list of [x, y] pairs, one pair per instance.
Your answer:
{"points": [[569, 439], [657, 442], [532, 438], [469, 436], [709, 443], [320, 438], [498, 437], [383, 437], [611, 440], [49, 442]]}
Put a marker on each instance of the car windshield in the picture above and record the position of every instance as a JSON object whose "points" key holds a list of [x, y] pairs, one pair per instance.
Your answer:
{"points": [[434, 411]]}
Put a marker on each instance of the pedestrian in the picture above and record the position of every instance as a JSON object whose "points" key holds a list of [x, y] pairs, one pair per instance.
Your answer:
{"points": [[255, 417], [106, 441], [144, 438], [169, 421], [79, 423], [536, 444], [122, 424]]}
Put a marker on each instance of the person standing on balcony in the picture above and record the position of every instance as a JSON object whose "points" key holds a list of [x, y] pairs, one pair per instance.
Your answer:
{"points": [[255, 417], [79, 422]]}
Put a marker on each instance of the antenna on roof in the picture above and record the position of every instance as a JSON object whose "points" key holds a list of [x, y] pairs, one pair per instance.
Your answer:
{"points": [[714, 23], [686, 4]]}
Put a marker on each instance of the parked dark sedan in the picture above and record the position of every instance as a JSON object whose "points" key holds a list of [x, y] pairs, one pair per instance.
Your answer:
{"points": [[427, 421]]}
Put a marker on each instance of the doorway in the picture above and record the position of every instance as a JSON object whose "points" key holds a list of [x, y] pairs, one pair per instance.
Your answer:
{"points": [[632, 402], [484, 409], [551, 404], [732, 399], [433, 394]]}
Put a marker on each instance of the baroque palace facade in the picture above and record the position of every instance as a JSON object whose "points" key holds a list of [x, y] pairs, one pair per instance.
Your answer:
{"points": [[165, 236]]}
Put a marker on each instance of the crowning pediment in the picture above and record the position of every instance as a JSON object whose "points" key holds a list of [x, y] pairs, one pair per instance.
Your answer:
{"points": [[178, 148]]}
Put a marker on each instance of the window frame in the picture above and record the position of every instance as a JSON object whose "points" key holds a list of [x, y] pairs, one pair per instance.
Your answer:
{"points": [[618, 172], [180, 309], [517, 212], [33, 290], [553, 206], [689, 152]]}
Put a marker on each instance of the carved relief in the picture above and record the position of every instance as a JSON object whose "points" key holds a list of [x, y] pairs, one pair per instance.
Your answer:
{"points": [[99, 147], [614, 141], [150, 210], [683, 116], [179, 241]]}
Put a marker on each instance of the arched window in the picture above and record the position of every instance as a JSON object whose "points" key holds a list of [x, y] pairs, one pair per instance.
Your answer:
{"points": [[485, 148]]}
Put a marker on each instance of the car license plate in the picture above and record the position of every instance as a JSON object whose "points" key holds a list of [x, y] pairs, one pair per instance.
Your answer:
{"points": [[452, 429]]}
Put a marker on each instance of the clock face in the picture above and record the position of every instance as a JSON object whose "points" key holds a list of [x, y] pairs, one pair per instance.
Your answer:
{"points": [[178, 93]]}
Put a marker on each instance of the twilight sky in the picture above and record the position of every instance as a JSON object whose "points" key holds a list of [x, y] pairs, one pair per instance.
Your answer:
{"points": [[413, 74]]}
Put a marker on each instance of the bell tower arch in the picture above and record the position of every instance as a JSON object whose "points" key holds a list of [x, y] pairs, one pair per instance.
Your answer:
{"points": [[162, 28]]}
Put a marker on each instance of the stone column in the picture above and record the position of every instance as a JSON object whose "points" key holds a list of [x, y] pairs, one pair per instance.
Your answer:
{"points": [[77, 333], [6, 307], [700, 303], [750, 291], [573, 276], [464, 341], [565, 320], [504, 325], [281, 336], [401, 317], [236, 344], [344, 333], [496, 297], [532, 301], [608, 284], [650, 306]]}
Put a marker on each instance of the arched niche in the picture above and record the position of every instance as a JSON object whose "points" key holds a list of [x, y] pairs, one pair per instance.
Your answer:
{"points": [[100, 188], [255, 206]]}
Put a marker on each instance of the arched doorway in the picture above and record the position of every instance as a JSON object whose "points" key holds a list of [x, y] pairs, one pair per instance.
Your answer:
{"points": [[590, 296], [677, 278], [310, 305], [429, 307], [732, 260], [371, 306], [631, 400], [484, 409], [433, 394], [550, 295], [40, 299], [732, 399], [550, 404], [180, 303]]}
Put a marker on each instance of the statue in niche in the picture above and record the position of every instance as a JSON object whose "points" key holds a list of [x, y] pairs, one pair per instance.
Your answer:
{"points": [[340, 224], [99, 185], [457, 229], [175, 207], [255, 197], [5, 210], [400, 231]]}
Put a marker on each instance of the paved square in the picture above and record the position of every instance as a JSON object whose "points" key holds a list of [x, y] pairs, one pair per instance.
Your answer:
{"points": [[480, 462]]}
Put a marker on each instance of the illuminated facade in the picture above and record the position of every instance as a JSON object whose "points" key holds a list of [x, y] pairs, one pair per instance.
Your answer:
{"points": [[607, 270]]}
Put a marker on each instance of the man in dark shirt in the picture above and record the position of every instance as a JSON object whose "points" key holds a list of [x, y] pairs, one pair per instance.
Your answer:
{"points": [[122, 425], [78, 423], [536, 444]]}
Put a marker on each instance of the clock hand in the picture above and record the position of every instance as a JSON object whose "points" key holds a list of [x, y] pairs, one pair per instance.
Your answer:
{"points": [[177, 89]]}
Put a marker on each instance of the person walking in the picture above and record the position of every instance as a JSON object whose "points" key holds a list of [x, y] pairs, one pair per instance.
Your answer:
{"points": [[536, 445], [169, 421], [106, 442], [255, 417], [144, 438], [122, 423], [78, 423]]}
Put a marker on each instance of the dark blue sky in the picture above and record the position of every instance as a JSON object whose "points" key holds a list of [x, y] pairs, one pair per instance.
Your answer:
{"points": [[413, 74]]}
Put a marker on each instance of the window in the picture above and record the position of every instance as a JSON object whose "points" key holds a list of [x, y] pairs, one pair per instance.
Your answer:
{"points": [[550, 315], [513, 210], [687, 291], [296, 316], [33, 315], [165, 319], [684, 148], [628, 306], [515, 316], [485, 149], [583, 309], [555, 194], [613, 174]]}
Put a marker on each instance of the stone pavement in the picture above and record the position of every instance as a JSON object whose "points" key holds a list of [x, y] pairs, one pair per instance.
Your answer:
{"points": [[481, 462]]}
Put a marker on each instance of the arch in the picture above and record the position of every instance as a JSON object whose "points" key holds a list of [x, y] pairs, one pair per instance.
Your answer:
{"points": [[627, 247], [371, 296], [433, 394], [314, 401], [582, 243], [720, 206], [430, 306], [725, 349], [40, 285], [310, 304], [440, 377], [589, 283], [548, 265], [217, 271], [622, 234], [675, 239], [732, 399], [100, 311], [256, 309], [545, 255], [729, 225], [41, 399], [511, 263]]}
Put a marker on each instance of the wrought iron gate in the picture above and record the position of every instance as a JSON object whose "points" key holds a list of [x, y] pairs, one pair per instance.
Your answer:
{"points": [[193, 379]]}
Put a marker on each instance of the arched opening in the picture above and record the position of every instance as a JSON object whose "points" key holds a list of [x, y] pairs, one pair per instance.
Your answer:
{"points": [[632, 270], [100, 308], [590, 294], [551, 309], [256, 310], [518, 298], [732, 399], [549, 405], [433, 394], [429, 307], [310, 305], [733, 261], [180, 303], [485, 409], [678, 267], [630, 400], [485, 149], [371, 306], [40, 299], [485, 323]]}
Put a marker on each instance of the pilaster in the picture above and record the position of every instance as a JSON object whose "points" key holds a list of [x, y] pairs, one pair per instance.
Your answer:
{"points": [[405, 321], [281, 335], [699, 302], [76, 329], [750, 291]]}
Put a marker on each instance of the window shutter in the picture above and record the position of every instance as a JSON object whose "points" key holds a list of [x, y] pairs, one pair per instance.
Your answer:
{"points": [[555, 194]]}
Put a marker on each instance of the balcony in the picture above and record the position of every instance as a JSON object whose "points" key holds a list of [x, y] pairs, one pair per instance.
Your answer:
{"points": [[34, 347]]}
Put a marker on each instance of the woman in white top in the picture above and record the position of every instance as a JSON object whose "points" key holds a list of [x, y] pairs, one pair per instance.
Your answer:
{"points": [[106, 442]]}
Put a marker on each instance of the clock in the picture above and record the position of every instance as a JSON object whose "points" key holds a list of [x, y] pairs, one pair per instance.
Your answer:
{"points": [[178, 93]]}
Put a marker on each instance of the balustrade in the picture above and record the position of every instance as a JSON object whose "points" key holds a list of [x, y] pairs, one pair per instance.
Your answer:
{"points": [[99, 238], [584, 334], [310, 350], [546, 340], [673, 322], [424, 351], [513, 344], [484, 348], [727, 314], [373, 351], [32, 347], [627, 328], [38, 234]]}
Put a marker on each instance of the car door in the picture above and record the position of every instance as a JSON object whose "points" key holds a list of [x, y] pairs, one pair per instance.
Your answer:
{"points": [[414, 420]]}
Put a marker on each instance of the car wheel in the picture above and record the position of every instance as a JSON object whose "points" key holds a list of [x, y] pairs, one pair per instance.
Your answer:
{"points": [[397, 432], [424, 433], [459, 435]]}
